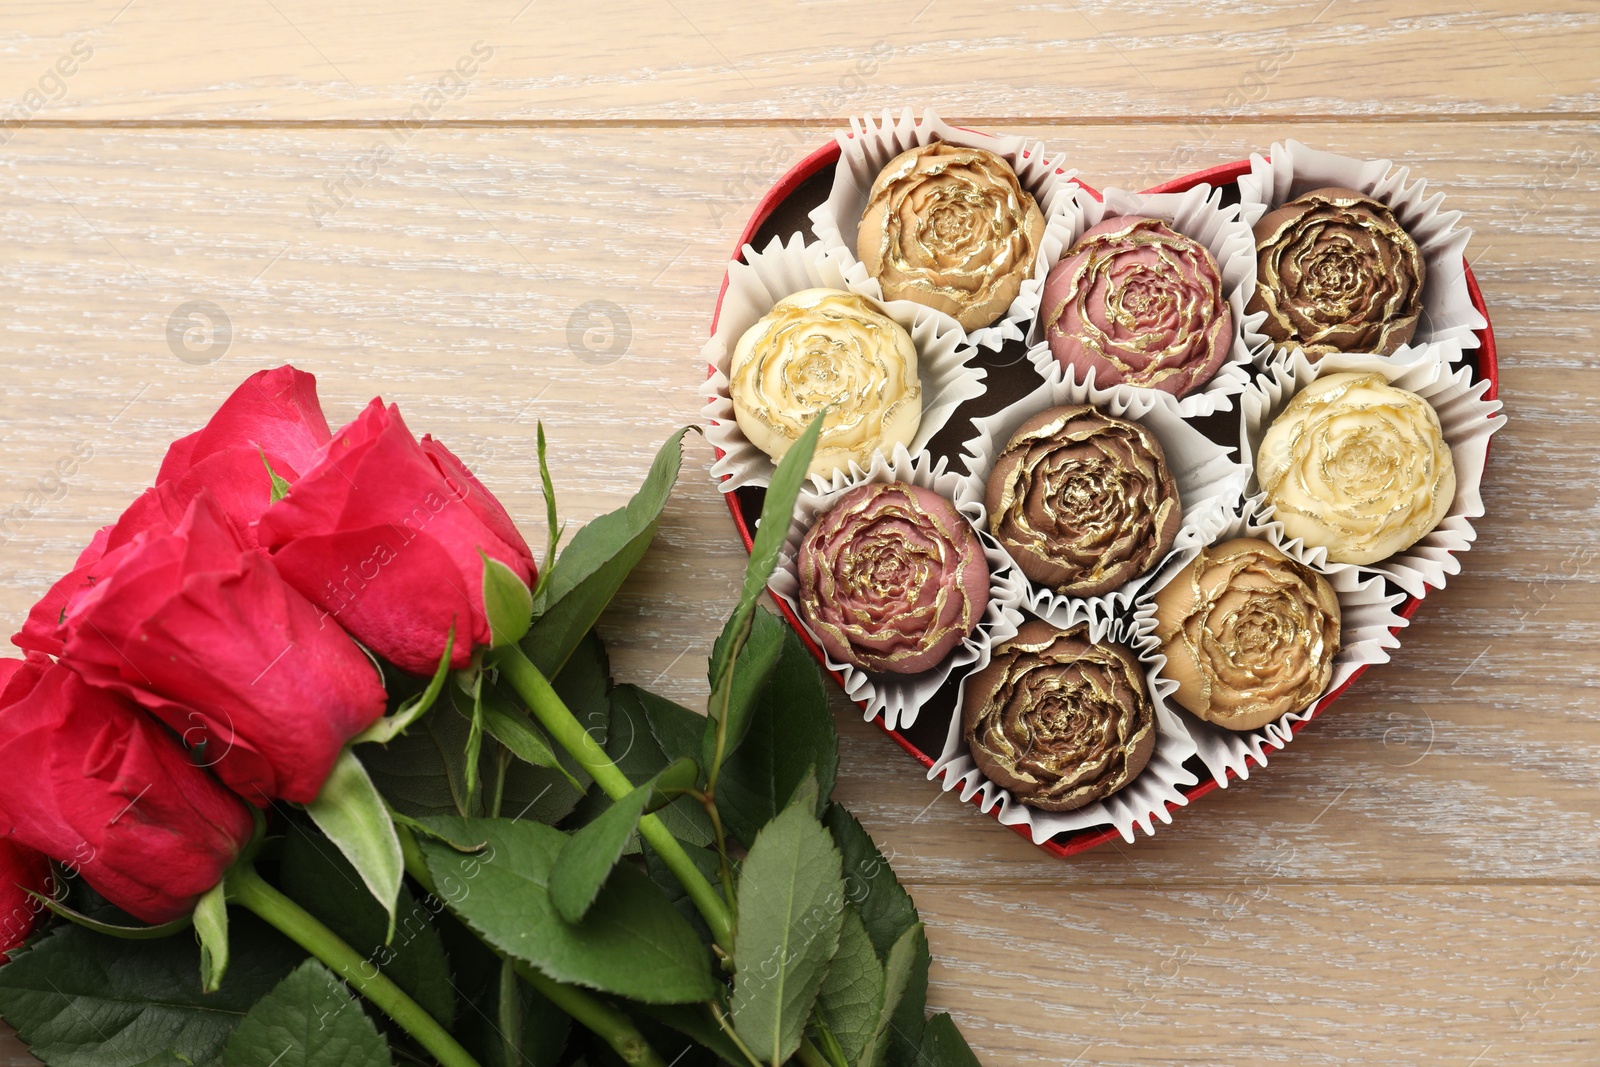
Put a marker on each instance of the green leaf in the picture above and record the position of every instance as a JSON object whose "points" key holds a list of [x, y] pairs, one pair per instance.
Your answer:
{"points": [[512, 727], [422, 773], [211, 925], [943, 1046], [316, 876], [899, 979], [852, 993], [589, 855], [680, 777], [477, 969], [707, 862], [791, 906], [280, 488], [696, 1022], [905, 1035], [412, 708], [791, 734], [638, 720], [776, 510], [550, 519], [507, 603], [128, 932], [887, 912], [870, 883], [757, 659], [600, 556], [308, 1020], [353, 815], [80, 999], [632, 943]]}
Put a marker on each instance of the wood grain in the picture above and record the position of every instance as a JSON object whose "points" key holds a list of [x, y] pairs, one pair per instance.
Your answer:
{"points": [[673, 60], [1412, 881]]}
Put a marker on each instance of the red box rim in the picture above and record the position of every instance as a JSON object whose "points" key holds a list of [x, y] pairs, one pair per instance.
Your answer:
{"points": [[1222, 174]]}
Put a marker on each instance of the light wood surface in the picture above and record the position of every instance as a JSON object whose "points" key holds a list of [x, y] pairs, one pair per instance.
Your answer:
{"points": [[1413, 881]]}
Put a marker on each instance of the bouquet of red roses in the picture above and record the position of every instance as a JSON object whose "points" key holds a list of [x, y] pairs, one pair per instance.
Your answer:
{"points": [[319, 677]]}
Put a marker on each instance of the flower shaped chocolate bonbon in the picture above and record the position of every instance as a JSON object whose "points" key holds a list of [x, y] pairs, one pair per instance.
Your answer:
{"points": [[1083, 501], [826, 348], [1141, 304], [1336, 272], [952, 228], [892, 578], [1249, 634], [1059, 720], [1357, 466]]}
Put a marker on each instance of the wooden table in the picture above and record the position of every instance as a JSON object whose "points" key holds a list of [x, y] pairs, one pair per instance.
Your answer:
{"points": [[1413, 881]]}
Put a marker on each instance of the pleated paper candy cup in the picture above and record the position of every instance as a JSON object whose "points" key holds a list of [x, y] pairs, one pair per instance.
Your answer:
{"points": [[897, 698]]}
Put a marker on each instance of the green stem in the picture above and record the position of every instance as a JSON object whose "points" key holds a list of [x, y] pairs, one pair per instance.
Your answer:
{"points": [[547, 706], [605, 1022], [250, 891], [812, 1056], [600, 1018]]}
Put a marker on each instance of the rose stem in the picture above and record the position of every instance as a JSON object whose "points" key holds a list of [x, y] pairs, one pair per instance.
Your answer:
{"points": [[604, 1021], [810, 1055], [564, 727], [250, 891]]}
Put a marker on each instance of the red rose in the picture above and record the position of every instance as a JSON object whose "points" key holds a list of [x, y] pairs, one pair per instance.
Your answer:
{"points": [[21, 869], [201, 630], [97, 785], [385, 534], [41, 632], [273, 413]]}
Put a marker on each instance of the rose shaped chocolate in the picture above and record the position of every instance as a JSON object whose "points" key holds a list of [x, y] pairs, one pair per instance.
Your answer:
{"points": [[892, 578], [1057, 719], [952, 228], [826, 348], [1083, 501], [1336, 272], [1138, 303], [1249, 634], [1358, 467]]}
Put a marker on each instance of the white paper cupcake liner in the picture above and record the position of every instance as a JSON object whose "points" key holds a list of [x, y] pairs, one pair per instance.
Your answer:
{"points": [[1293, 169], [898, 697], [1198, 213], [868, 148], [1367, 625], [1141, 803], [781, 269], [1468, 421], [1209, 481]]}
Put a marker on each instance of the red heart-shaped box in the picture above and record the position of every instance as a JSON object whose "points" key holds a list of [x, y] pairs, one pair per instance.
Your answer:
{"points": [[785, 210]]}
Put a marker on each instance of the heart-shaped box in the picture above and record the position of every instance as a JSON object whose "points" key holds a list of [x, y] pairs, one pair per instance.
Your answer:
{"points": [[784, 211]]}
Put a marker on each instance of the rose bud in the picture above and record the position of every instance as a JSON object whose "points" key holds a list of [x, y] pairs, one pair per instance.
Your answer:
{"points": [[1059, 720], [103, 789], [1358, 467], [21, 869], [1140, 304], [826, 348], [385, 534], [1249, 634], [1336, 272], [203, 632], [272, 418], [892, 578], [951, 228], [1083, 501]]}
